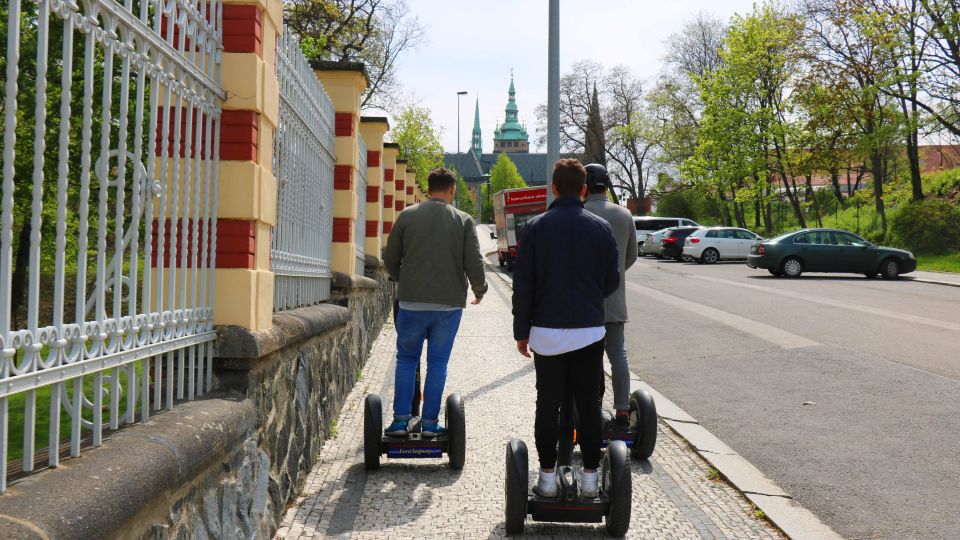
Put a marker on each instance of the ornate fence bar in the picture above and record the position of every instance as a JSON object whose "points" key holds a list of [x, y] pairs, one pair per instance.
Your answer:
{"points": [[107, 217], [359, 233], [303, 164]]}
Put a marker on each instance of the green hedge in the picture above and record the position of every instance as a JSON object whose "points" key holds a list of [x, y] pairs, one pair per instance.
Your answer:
{"points": [[929, 226]]}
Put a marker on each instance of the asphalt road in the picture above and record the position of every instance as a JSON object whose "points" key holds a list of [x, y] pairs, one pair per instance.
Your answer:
{"points": [[844, 391]]}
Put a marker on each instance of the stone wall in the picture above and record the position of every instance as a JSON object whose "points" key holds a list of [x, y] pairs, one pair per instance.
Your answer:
{"points": [[302, 371], [227, 465]]}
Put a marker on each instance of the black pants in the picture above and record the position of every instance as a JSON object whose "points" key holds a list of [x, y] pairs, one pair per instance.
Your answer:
{"points": [[580, 373]]}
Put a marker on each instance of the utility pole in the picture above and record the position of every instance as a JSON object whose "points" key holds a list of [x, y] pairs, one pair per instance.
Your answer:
{"points": [[553, 95], [459, 95]]}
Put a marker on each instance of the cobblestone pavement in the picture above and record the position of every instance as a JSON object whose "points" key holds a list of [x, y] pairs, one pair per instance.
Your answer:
{"points": [[673, 495]]}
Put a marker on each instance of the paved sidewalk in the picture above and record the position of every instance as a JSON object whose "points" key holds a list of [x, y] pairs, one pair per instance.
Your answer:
{"points": [[673, 495]]}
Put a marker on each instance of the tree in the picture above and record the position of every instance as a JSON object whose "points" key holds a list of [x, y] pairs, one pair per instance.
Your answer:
{"points": [[751, 132], [374, 32], [849, 55], [419, 142], [504, 174]]}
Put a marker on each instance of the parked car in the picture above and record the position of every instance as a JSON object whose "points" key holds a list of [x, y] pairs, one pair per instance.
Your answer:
{"points": [[828, 250], [672, 243], [651, 246], [713, 244], [648, 224]]}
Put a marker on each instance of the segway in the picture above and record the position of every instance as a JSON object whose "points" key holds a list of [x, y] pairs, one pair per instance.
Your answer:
{"points": [[612, 505], [640, 437], [413, 444]]}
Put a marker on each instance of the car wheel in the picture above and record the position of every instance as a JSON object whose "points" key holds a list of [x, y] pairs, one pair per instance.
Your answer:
{"points": [[657, 256], [791, 267], [775, 273], [890, 269], [710, 256]]}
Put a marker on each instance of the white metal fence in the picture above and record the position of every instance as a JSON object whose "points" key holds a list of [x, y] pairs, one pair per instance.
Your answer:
{"points": [[360, 234], [107, 217], [303, 162]]}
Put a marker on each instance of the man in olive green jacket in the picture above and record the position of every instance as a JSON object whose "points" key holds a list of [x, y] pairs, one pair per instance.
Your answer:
{"points": [[432, 251]]}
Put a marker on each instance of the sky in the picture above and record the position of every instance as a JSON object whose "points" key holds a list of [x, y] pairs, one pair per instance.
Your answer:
{"points": [[473, 45]]}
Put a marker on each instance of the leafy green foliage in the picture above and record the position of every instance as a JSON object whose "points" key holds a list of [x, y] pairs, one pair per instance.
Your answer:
{"points": [[928, 226], [504, 174], [419, 142]]}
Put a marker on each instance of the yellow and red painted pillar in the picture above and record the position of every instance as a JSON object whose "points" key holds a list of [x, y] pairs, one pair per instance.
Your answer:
{"points": [[390, 152], [373, 129], [344, 83], [247, 189]]}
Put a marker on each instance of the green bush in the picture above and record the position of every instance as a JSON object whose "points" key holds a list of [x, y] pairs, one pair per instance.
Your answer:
{"points": [[929, 226]]}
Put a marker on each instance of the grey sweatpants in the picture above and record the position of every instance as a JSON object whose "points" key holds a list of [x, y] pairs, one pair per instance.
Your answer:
{"points": [[617, 353]]}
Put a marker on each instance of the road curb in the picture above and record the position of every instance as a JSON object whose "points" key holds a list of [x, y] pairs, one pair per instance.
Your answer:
{"points": [[777, 505], [935, 282]]}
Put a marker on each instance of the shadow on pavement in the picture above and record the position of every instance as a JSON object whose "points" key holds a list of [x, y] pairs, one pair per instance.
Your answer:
{"points": [[506, 379], [807, 277], [388, 484]]}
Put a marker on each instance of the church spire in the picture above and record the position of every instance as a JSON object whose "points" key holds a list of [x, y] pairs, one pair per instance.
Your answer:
{"points": [[511, 136], [477, 142]]}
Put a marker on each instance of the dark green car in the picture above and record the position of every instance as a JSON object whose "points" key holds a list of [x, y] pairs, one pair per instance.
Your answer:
{"points": [[828, 250]]}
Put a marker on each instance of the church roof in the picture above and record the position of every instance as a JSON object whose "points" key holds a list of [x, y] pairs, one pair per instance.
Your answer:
{"points": [[533, 168]]}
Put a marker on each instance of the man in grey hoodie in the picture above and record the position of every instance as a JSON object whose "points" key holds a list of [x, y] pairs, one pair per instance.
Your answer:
{"points": [[615, 306], [432, 251]]}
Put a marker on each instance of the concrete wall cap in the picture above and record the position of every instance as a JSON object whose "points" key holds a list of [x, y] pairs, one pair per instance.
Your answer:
{"points": [[372, 261], [110, 485], [330, 65], [347, 283], [289, 327], [375, 120]]}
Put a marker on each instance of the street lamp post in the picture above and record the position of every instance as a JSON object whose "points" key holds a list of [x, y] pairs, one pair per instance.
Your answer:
{"points": [[459, 95], [553, 94]]}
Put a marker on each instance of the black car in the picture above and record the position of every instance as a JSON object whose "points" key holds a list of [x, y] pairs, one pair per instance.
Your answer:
{"points": [[828, 250], [672, 243]]}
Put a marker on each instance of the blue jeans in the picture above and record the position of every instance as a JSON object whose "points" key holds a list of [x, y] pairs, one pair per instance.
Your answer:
{"points": [[617, 353], [439, 329]]}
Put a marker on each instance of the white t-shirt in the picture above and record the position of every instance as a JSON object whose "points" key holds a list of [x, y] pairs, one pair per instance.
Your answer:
{"points": [[554, 341]]}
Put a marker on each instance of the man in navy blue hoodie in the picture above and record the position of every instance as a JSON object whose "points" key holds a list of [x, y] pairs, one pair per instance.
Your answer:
{"points": [[567, 263]]}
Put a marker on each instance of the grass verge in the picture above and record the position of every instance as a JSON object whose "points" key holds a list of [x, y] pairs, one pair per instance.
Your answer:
{"points": [[939, 263]]}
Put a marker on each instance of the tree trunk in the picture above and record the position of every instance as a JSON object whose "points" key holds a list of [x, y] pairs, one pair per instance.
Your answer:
{"points": [[813, 195], [835, 180], [724, 210], [756, 214], [877, 168], [18, 280], [913, 155], [794, 203]]}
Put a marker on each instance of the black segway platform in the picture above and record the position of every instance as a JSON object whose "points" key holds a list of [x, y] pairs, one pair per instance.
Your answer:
{"points": [[613, 505], [413, 444]]}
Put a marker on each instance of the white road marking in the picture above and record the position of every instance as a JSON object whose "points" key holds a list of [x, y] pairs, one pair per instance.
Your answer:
{"points": [[880, 312], [772, 334]]}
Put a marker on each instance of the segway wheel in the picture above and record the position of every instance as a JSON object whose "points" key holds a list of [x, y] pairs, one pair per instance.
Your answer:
{"points": [[619, 487], [372, 432], [643, 421], [515, 487], [456, 431]]}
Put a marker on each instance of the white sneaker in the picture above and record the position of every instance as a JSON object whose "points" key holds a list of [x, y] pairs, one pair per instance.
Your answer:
{"points": [[589, 484], [546, 484]]}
